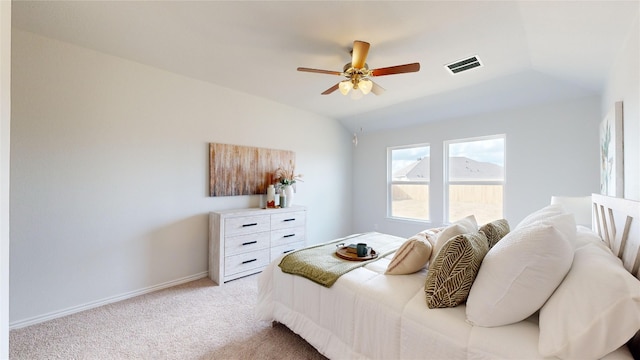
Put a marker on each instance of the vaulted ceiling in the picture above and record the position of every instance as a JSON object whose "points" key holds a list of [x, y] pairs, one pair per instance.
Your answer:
{"points": [[531, 51]]}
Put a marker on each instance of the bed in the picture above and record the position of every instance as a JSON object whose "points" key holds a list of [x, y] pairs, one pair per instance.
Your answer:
{"points": [[592, 311]]}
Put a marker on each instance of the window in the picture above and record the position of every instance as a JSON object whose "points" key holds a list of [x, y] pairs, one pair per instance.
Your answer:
{"points": [[409, 182], [474, 178]]}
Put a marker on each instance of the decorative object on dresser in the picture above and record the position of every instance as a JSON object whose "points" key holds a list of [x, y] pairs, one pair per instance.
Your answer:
{"points": [[243, 241], [271, 197], [287, 178], [243, 170]]}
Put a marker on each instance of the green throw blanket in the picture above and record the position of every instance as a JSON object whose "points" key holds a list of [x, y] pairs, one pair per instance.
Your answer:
{"points": [[321, 264]]}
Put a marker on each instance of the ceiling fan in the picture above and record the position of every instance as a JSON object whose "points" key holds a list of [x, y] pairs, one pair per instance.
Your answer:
{"points": [[358, 73]]}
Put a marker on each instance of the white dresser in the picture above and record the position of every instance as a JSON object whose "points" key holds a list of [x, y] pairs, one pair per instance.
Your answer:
{"points": [[243, 241]]}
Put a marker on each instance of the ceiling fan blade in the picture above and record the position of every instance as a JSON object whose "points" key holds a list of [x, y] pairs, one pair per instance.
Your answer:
{"points": [[331, 89], [359, 54], [399, 69], [319, 71], [377, 89]]}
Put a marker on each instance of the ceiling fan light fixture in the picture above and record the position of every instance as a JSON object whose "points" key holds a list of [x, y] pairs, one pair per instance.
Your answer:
{"points": [[345, 86], [365, 86], [357, 95]]}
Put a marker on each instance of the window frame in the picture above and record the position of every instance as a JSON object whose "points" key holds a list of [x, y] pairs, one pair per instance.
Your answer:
{"points": [[445, 171], [391, 182]]}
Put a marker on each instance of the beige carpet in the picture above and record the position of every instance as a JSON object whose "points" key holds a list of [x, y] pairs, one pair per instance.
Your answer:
{"points": [[198, 320]]}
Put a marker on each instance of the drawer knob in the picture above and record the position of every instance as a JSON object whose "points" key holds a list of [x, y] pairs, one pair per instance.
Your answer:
{"points": [[290, 235], [248, 261], [249, 243], [247, 225], [292, 219]]}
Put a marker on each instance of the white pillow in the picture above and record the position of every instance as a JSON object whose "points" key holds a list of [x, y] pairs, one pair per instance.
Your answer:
{"points": [[463, 226], [586, 236], [595, 310], [565, 223], [579, 206], [554, 215], [518, 275], [545, 212]]}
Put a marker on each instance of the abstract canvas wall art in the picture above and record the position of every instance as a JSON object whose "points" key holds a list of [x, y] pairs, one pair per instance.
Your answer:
{"points": [[243, 170], [611, 153]]}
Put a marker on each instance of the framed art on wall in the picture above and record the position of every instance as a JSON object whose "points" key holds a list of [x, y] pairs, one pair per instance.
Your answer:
{"points": [[243, 170], [611, 153]]}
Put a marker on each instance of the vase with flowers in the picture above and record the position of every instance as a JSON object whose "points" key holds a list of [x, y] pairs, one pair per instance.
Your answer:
{"points": [[286, 178]]}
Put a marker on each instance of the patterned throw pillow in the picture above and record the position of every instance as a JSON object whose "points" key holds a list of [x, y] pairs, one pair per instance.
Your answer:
{"points": [[495, 231], [454, 269]]}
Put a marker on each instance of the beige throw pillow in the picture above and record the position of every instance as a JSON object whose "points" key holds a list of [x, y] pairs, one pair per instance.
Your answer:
{"points": [[454, 269], [432, 237], [463, 226], [411, 257]]}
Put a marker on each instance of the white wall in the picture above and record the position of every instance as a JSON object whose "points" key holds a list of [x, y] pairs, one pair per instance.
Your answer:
{"points": [[109, 172], [5, 127], [551, 149], [624, 85]]}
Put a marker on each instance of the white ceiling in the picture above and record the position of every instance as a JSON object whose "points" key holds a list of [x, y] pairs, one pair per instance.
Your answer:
{"points": [[532, 51]]}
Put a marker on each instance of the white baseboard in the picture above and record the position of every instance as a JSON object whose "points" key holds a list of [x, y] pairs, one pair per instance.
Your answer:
{"points": [[94, 304]]}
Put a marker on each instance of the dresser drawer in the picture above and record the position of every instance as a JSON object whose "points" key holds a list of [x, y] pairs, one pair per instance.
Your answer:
{"points": [[288, 220], [243, 243], [285, 249], [286, 236], [246, 225], [246, 261]]}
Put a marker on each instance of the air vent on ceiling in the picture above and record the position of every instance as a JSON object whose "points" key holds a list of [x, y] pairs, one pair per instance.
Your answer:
{"points": [[463, 65]]}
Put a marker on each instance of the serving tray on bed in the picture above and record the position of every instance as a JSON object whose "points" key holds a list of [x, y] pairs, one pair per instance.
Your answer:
{"points": [[344, 254]]}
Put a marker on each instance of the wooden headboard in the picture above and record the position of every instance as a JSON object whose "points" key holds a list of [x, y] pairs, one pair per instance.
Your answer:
{"points": [[617, 221]]}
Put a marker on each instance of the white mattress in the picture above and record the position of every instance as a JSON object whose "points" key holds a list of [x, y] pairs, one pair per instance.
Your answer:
{"points": [[369, 315]]}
